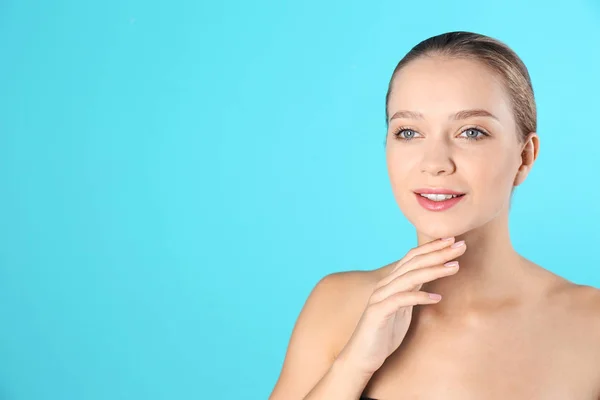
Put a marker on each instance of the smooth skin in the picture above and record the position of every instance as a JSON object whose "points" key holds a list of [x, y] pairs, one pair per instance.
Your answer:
{"points": [[388, 315], [505, 326]]}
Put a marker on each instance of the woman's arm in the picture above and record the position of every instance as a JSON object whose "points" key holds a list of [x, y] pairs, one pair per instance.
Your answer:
{"points": [[341, 382], [310, 370]]}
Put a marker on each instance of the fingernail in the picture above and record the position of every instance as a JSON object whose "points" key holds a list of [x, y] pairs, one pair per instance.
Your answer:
{"points": [[435, 296], [458, 244], [447, 239], [451, 264]]}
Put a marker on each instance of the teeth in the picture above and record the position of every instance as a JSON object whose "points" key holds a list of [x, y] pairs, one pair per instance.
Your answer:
{"points": [[439, 197]]}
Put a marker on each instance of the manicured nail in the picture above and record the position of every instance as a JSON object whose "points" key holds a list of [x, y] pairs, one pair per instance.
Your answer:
{"points": [[458, 244], [451, 264], [435, 296], [447, 239]]}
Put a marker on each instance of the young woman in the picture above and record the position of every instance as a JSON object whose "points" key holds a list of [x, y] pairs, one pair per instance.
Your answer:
{"points": [[462, 315]]}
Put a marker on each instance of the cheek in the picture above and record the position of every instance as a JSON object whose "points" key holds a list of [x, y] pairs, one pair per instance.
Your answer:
{"points": [[495, 171], [490, 181], [398, 168], [402, 179]]}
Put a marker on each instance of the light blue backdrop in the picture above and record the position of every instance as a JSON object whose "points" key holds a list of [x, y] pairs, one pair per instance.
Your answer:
{"points": [[175, 177]]}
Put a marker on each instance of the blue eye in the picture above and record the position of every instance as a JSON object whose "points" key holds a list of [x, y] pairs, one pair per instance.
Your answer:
{"points": [[475, 136], [407, 134]]}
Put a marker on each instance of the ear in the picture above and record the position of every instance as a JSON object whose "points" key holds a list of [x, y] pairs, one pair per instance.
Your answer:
{"points": [[529, 153]]}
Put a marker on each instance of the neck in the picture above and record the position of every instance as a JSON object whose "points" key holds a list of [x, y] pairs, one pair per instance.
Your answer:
{"points": [[490, 270]]}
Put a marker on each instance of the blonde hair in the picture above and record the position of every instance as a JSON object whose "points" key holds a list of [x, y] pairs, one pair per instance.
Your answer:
{"points": [[494, 54]]}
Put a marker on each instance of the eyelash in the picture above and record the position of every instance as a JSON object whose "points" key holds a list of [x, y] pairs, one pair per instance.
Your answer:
{"points": [[403, 129]]}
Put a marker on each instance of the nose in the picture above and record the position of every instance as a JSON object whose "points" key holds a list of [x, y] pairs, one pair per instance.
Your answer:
{"points": [[437, 160]]}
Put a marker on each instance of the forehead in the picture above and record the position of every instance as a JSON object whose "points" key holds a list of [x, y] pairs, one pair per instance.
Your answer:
{"points": [[438, 87]]}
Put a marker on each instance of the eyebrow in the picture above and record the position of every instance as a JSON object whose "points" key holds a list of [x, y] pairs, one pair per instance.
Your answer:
{"points": [[464, 114]]}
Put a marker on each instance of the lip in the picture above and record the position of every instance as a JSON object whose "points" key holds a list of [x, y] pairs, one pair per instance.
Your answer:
{"points": [[437, 191], [438, 205]]}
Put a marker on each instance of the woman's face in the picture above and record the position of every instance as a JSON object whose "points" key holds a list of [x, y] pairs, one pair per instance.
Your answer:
{"points": [[448, 141]]}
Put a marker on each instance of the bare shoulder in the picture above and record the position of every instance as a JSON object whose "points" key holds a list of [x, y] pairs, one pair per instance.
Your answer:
{"points": [[326, 321], [350, 293], [586, 302], [568, 315], [342, 298], [569, 309], [578, 307], [579, 300]]}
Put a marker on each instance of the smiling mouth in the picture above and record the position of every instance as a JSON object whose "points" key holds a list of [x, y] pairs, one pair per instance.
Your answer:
{"points": [[438, 202], [440, 197]]}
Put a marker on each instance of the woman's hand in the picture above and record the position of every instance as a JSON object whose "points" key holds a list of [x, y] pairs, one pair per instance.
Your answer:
{"points": [[387, 316]]}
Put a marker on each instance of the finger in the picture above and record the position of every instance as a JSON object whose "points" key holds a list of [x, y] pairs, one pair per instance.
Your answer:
{"points": [[436, 257], [390, 305], [422, 249], [413, 280]]}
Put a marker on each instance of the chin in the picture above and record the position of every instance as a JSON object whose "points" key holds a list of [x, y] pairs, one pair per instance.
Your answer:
{"points": [[450, 223], [434, 227], [437, 233]]}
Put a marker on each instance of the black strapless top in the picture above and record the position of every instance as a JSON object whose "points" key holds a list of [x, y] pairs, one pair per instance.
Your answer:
{"points": [[363, 397]]}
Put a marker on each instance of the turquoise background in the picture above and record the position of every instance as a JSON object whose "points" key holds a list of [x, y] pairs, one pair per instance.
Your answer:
{"points": [[176, 177]]}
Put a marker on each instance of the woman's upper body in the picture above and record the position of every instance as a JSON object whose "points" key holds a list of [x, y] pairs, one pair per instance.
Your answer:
{"points": [[461, 119], [542, 344]]}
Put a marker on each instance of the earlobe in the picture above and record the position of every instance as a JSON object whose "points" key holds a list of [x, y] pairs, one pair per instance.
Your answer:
{"points": [[521, 174], [528, 156], [519, 177]]}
